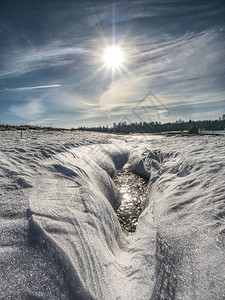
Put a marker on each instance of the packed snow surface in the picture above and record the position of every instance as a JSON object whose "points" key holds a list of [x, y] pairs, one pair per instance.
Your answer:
{"points": [[60, 236]]}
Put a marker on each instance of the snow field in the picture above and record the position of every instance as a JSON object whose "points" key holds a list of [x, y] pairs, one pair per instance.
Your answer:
{"points": [[60, 235]]}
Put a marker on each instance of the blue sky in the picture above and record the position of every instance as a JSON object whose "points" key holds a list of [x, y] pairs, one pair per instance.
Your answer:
{"points": [[52, 70]]}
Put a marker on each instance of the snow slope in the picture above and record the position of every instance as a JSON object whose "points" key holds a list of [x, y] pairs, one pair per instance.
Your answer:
{"points": [[60, 238]]}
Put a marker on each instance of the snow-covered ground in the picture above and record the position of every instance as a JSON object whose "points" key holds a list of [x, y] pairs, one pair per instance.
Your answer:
{"points": [[60, 237]]}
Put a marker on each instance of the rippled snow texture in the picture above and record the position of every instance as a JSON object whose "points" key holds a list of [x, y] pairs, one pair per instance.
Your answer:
{"points": [[61, 239]]}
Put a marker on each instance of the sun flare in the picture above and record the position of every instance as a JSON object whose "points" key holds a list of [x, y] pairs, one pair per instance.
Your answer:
{"points": [[113, 57]]}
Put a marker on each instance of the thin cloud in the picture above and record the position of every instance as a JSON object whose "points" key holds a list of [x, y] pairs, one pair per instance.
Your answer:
{"points": [[27, 88], [34, 59], [174, 49], [207, 114], [27, 111]]}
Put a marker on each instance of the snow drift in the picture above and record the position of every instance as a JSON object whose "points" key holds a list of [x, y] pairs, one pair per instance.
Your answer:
{"points": [[60, 237]]}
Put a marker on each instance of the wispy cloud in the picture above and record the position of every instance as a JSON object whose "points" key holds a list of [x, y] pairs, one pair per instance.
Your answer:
{"points": [[23, 61], [29, 110], [27, 88], [187, 68], [172, 48], [208, 114]]}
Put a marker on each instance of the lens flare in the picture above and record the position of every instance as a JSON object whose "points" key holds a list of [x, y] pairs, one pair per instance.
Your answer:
{"points": [[113, 57]]}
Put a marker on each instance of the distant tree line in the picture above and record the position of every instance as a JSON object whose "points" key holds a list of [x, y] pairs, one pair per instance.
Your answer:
{"points": [[156, 127], [137, 127], [28, 127]]}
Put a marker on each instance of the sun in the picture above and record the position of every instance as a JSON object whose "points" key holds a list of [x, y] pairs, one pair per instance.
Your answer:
{"points": [[113, 57]]}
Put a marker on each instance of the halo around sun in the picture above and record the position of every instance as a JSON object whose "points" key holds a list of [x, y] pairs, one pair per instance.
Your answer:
{"points": [[113, 57]]}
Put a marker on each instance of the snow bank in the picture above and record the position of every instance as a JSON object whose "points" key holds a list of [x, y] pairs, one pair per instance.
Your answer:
{"points": [[60, 235]]}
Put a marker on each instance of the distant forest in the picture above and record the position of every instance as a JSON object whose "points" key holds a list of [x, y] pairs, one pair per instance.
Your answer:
{"points": [[155, 127], [141, 127], [29, 127]]}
